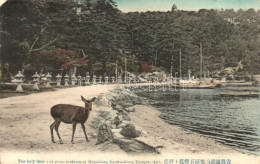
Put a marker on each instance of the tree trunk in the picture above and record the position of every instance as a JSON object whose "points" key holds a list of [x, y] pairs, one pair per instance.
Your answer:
{"points": [[23, 68], [41, 71], [73, 71]]}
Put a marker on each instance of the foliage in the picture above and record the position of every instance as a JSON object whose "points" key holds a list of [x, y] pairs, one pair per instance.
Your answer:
{"points": [[64, 58], [146, 67], [97, 32]]}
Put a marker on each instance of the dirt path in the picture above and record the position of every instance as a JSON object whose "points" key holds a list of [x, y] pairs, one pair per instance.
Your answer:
{"points": [[25, 122]]}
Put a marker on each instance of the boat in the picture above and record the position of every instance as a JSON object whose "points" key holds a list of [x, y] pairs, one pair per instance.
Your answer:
{"points": [[239, 94], [197, 86], [190, 83]]}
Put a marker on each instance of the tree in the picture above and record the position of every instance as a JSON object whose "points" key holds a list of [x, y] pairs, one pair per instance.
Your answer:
{"points": [[62, 59], [174, 8], [25, 27]]}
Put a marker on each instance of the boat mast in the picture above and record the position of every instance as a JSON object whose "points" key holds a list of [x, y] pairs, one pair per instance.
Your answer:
{"points": [[155, 60], [180, 64], [200, 60], [172, 56], [125, 69], [116, 70]]}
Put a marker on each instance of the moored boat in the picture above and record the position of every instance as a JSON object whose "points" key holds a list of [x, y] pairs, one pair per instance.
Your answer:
{"points": [[196, 86], [239, 94]]}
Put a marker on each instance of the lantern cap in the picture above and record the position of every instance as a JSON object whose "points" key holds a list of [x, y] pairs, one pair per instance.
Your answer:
{"points": [[48, 75], [36, 75], [19, 75], [58, 76]]}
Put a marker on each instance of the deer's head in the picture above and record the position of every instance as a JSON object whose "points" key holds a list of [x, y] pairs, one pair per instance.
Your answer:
{"points": [[88, 103]]}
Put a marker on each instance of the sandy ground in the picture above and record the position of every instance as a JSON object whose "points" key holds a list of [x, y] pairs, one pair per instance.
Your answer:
{"points": [[25, 127], [25, 122]]}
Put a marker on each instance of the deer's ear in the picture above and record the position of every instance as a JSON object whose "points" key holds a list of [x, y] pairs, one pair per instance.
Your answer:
{"points": [[93, 99], [83, 99]]}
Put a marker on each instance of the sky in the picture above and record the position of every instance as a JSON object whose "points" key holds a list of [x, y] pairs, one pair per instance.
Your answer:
{"points": [[165, 5], [2, 1]]}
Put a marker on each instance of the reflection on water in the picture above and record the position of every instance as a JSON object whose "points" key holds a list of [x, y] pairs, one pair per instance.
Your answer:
{"points": [[231, 121]]}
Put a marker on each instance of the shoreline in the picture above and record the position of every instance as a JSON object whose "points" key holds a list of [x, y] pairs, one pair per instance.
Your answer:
{"points": [[172, 137], [165, 137]]}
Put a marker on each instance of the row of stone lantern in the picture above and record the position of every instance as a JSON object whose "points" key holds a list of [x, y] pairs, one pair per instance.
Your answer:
{"points": [[66, 80], [95, 80], [36, 79]]}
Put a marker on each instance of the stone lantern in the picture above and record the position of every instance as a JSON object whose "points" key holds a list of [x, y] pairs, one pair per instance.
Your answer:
{"points": [[94, 79], [106, 79], [87, 79], [58, 77], [100, 79], [127, 80], [66, 79], [79, 80], [48, 79], [146, 79], [189, 74], [73, 79], [36, 79], [156, 80], [172, 80], [119, 79], [135, 82], [19, 80], [164, 81], [113, 79], [83, 81]]}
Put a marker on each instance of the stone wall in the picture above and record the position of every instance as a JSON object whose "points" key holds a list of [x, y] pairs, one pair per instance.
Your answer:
{"points": [[118, 122]]}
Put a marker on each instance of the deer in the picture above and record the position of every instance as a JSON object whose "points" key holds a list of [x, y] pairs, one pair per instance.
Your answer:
{"points": [[70, 114]]}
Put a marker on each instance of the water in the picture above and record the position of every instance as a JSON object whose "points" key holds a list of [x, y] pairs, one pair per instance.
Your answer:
{"points": [[231, 121]]}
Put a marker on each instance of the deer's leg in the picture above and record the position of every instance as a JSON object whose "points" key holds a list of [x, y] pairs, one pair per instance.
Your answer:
{"points": [[84, 130], [51, 127], [57, 124], [73, 131]]}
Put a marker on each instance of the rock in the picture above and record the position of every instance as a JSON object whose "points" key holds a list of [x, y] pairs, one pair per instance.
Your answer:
{"points": [[104, 133], [126, 104], [116, 133], [131, 109], [111, 99], [118, 107], [120, 97], [123, 112], [143, 102], [113, 126], [112, 114], [129, 131], [126, 109], [144, 132], [117, 120], [123, 124], [116, 130], [102, 101], [127, 118]]}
